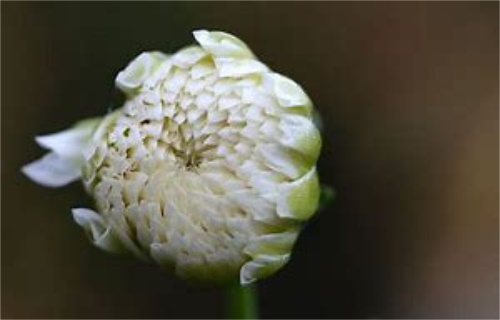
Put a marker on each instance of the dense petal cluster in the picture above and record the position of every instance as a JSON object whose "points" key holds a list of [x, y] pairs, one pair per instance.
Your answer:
{"points": [[208, 168]]}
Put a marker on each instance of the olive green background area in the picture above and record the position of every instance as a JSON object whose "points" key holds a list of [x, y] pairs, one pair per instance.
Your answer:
{"points": [[409, 98]]}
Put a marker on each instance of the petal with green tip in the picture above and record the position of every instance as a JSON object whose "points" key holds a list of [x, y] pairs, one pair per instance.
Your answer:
{"points": [[299, 199], [100, 234], [272, 244], [262, 267], [300, 134]]}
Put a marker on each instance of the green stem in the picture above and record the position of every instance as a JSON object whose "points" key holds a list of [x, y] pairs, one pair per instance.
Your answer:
{"points": [[242, 302]]}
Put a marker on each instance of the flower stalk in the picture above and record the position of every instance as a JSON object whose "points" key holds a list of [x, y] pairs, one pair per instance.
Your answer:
{"points": [[242, 301]]}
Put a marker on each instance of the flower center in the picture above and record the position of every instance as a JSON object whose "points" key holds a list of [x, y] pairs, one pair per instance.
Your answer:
{"points": [[189, 158]]}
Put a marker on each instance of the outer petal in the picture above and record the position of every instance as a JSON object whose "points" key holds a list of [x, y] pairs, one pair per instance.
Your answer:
{"points": [[272, 244], [62, 165], [189, 56], [262, 267], [284, 160], [133, 76], [235, 68], [221, 44], [100, 233], [301, 134], [69, 143], [287, 91], [52, 171], [269, 253], [299, 199]]}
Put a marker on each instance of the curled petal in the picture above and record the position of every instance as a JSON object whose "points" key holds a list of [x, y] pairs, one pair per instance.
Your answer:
{"points": [[288, 92], [272, 244], [234, 68], [300, 134], [262, 267], [269, 252], [221, 44], [52, 170], [299, 199], [70, 143], [188, 56], [134, 75], [99, 232], [283, 160], [63, 165]]}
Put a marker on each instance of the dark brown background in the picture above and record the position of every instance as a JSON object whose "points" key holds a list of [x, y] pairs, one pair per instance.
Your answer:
{"points": [[409, 98]]}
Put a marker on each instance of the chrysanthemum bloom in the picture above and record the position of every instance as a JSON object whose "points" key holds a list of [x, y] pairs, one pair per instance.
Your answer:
{"points": [[208, 168]]}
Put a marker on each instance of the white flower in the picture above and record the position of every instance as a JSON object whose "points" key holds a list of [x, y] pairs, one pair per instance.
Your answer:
{"points": [[208, 168]]}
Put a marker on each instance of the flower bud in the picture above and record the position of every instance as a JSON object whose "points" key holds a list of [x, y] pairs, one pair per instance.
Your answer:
{"points": [[208, 168]]}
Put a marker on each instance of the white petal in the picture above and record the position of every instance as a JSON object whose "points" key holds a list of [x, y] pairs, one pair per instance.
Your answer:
{"points": [[223, 86], [259, 208], [201, 69], [235, 68], [122, 231], [187, 57], [138, 71], [262, 267], [273, 243], [299, 199], [204, 100], [70, 143], [300, 134], [159, 73], [100, 233], [193, 87], [99, 133], [221, 44], [249, 272], [288, 92], [52, 170], [280, 159], [177, 81], [228, 102]]}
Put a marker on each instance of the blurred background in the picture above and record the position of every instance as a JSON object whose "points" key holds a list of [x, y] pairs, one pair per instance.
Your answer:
{"points": [[409, 95]]}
